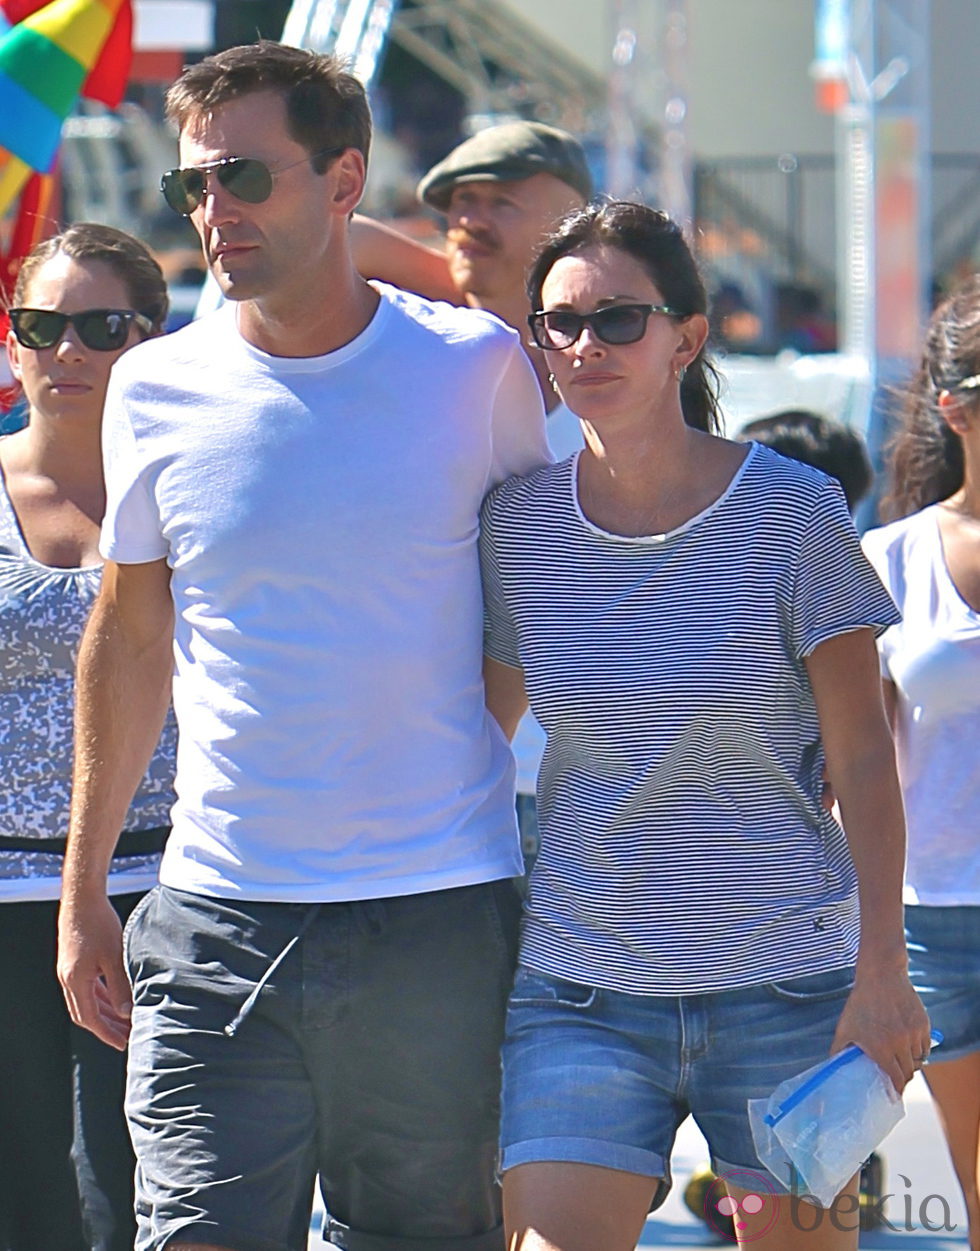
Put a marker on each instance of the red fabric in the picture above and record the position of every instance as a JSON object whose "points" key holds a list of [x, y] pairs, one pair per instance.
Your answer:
{"points": [[17, 10], [110, 73]]}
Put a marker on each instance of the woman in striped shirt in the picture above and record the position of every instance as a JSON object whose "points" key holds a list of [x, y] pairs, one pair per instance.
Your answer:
{"points": [[694, 624]]}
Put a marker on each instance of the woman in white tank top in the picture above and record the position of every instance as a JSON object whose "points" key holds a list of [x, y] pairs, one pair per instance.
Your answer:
{"points": [[930, 562]]}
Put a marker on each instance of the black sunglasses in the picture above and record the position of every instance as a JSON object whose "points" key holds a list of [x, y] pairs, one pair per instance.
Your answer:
{"points": [[101, 329], [245, 177], [617, 324]]}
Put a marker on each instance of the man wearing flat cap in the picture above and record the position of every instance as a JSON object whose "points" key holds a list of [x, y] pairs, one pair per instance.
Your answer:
{"points": [[501, 191]]}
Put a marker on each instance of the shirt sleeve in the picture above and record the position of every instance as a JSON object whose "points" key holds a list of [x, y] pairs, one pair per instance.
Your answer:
{"points": [[877, 553], [520, 443], [836, 590], [499, 634], [131, 526]]}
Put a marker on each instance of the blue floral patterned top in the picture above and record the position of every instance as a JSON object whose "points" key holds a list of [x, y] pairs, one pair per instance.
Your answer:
{"points": [[42, 613]]}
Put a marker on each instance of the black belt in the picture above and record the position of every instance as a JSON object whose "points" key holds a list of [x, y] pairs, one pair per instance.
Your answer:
{"points": [[131, 843]]}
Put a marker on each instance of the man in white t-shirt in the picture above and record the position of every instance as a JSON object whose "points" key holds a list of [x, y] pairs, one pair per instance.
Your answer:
{"points": [[293, 487]]}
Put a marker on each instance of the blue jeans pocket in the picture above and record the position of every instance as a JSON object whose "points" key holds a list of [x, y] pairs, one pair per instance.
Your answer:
{"points": [[814, 987], [532, 989]]}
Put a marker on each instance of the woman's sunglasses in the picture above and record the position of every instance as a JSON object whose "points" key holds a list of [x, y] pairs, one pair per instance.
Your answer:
{"points": [[101, 329], [617, 324], [244, 177]]}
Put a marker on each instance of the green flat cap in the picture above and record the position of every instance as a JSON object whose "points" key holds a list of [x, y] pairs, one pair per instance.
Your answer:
{"points": [[508, 153]]}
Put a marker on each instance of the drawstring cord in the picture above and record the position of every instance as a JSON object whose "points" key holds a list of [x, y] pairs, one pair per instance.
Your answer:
{"points": [[232, 1028]]}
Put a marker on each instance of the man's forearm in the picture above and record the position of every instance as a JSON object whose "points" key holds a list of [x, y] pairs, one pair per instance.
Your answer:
{"points": [[122, 693]]}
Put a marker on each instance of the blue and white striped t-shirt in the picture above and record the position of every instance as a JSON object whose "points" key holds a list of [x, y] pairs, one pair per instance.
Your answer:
{"points": [[684, 844]]}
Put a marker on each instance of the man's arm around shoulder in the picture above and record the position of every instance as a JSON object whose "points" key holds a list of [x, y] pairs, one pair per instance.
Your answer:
{"points": [[381, 252], [520, 443], [123, 683]]}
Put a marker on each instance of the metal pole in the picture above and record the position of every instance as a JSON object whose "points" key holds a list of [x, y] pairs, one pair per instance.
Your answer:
{"points": [[883, 145], [621, 167], [676, 155]]}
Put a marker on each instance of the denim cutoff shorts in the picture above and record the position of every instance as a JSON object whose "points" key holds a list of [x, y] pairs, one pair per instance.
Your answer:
{"points": [[596, 1076], [944, 965]]}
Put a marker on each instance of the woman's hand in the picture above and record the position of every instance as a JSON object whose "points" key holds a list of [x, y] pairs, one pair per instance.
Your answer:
{"points": [[885, 1018]]}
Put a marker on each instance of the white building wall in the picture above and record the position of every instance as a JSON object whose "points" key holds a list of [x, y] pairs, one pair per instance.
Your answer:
{"points": [[955, 75], [750, 91]]}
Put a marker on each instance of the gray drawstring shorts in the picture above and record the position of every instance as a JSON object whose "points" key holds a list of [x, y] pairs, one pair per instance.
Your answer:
{"points": [[358, 1043]]}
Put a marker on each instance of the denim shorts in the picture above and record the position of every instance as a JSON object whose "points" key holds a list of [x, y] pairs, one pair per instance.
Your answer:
{"points": [[359, 1042], [944, 965], [600, 1077]]}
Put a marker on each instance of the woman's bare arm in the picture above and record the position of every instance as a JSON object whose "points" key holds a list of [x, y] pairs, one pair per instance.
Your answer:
{"points": [[506, 698], [883, 1014]]}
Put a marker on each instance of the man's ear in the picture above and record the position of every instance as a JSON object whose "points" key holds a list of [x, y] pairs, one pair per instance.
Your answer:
{"points": [[349, 172]]}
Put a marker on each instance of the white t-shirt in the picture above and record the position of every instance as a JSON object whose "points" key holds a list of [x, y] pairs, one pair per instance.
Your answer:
{"points": [[564, 432], [320, 516], [933, 658], [685, 846]]}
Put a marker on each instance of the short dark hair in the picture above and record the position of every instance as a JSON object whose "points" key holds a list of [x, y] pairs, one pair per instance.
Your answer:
{"points": [[658, 243], [925, 457], [817, 440], [326, 107], [125, 255]]}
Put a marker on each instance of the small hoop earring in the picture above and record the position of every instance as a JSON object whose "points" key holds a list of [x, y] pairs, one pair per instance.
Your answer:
{"points": [[680, 373]]}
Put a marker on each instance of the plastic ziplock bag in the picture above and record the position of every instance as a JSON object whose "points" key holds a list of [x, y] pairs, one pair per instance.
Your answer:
{"points": [[815, 1130]]}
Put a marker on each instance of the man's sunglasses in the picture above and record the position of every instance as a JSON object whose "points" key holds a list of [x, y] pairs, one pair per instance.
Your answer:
{"points": [[244, 177], [101, 329], [617, 324]]}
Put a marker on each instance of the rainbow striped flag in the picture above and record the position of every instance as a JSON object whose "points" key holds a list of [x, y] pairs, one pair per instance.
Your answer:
{"points": [[47, 58]]}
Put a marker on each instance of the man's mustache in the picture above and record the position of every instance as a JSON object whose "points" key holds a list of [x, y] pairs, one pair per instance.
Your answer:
{"points": [[459, 236]]}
